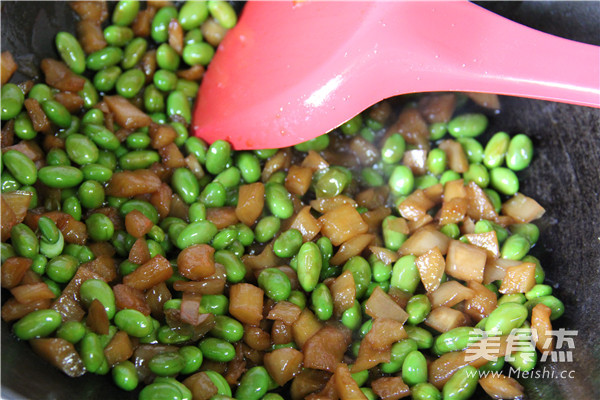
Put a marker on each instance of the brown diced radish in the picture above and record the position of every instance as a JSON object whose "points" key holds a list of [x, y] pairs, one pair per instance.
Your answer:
{"points": [[8, 220], [246, 303], [126, 114], [479, 204], [325, 204], [325, 349], [328, 392], [308, 381], [373, 198], [416, 160], [380, 305], [8, 66], [60, 76], [280, 161], [345, 385], [13, 310], [424, 240], [314, 161], [104, 266], [153, 272], [251, 200], [308, 225], [156, 297], [285, 311], [237, 366], [453, 211], [222, 217], [342, 224], [455, 190], [369, 357], [190, 304], [171, 156], [133, 183], [413, 128], [522, 208], [518, 279], [32, 292], [118, 349], [13, 270], [457, 159], [500, 386], [415, 206], [305, 327], [18, 202], [97, 320], [256, 338], [390, 388], [384, 333], [201, 386], [487, 241], [137, 224], [431, 267], [495, 269], [196, 262], [352, 247], [68, 304], [483, 302], [384, 255], [343, 291], [373, 218], [465, 261], [443, 319], [139, 253], [161, 200], [61, 354], [541, 328], [298, 180], [450, 294], [283, 364], [127, 297]]}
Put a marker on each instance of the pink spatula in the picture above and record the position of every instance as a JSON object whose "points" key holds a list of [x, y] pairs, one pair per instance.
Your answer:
{"points": [[291, 71]]}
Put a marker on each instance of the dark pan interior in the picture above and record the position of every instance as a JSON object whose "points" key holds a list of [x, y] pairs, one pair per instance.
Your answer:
{"points": [[564, 178]]}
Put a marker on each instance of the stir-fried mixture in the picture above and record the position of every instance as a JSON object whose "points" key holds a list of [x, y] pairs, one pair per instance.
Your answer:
{"points": [[370, 262]]}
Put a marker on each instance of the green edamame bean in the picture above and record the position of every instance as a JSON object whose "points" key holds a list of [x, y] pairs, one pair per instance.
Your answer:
{"points": [[422, 337], [107, 159], [495, 150], [160, 24], [192, 14], [467, 125], [372, 177], [223, 13], [89, 94], [57, 113], [130, 83], [179, 106], [104, 58], [197, 212], [96, 172], [82, 253], [192, 357], [40, 92], [473, 149], [477, 173], [140, 159], [425, 181], [505, 318], [20, 166], [322, 302], [298, 298], [271, 396], [166, 364], [133, 322], [361, 272], [62, 268], [197, 147], [100, 227], [360, 377], [181, 131], [381, 271], [133, 52], [455, 339], [71, 331], [117, 35], [213, 195], [24, 241], [418, 308], [234, 267], [275, 283], [48, 229], [224, 238], [8, 251], [401, 180], [317, 144], [540, 275], [368, 393], [524, 361], [425, 391], [167, 58], [494, 198], [217, 156], [96, 289], [125, 12], [37, 324], [352, 126], [217, 379], [92, 353], [229, 178], [405, 274], [227, 328], [515, 247], [103, 138], [391, 237], [217, 349], [39, 261], [200, 53], [12, 101], [72, 206], [351, 318], [512, 298], [254, 384], [23, 127], [159, 391], [106, 79], [519, 152], [153, 99], [393, 149], [504, 180], [288, 243], [437, 130], [81, 150], [398, 354], [557, 306], [538, 290], [125, 375], [333, 182], [493, 365], [52, 249], [414, 368], [186, 185], [278, 200], [196, 233], [449, 176], [193, 36], [309, 266], [462, 384], [267, 228], [436, 161], [451, 230], [529, 231]]}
